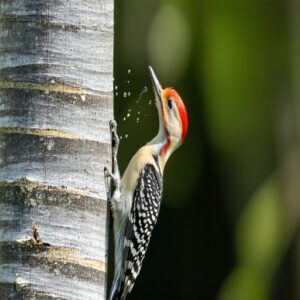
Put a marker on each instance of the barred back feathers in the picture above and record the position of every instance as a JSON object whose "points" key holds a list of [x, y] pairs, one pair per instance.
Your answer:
{"points": [[142, 218]]}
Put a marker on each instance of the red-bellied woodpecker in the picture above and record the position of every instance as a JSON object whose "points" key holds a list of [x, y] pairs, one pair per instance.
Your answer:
{"points": [[136, 200]]}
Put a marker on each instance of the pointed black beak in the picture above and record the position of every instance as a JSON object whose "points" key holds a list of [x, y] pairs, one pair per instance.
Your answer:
{"points": [[156, 86]]}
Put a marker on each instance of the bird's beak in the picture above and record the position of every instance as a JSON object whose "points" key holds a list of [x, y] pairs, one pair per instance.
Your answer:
{"points": [[156, 86]]}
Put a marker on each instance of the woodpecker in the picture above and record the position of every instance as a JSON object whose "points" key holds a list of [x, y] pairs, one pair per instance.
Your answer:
{"points": [[136, 200]]}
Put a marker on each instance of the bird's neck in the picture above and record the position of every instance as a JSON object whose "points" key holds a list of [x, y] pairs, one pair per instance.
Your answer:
{"points": [[162, 146]]}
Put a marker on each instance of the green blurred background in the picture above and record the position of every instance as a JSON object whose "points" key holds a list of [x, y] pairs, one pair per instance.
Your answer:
{"points": [[229, 222]]}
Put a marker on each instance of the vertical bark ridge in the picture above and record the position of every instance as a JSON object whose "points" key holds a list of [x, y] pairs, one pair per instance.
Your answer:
{"points": [[55, 104]]}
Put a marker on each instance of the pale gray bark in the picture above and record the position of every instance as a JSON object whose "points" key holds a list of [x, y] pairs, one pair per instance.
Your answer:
{"points": [[56, 88]]}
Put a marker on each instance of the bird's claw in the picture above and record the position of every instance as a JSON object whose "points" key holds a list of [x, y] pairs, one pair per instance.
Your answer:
{"points": [[112, 125], [113, 176], [114, 137]]}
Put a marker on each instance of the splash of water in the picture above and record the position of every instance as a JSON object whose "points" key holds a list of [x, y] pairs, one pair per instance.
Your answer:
{"points": [[144, 91]]}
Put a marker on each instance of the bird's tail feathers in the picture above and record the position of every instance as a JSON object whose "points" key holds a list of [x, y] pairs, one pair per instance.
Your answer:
{"points": [[114, 293], [119, 291]]}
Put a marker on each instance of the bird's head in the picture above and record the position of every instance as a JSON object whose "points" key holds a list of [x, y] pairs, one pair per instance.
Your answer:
{"points": [[172, 116]]}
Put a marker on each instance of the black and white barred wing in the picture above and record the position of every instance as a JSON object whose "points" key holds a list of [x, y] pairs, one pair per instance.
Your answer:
{"points": [[143, 217]]}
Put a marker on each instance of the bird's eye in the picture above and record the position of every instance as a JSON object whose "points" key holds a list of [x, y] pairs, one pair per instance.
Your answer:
{"points": [[170, 103]]}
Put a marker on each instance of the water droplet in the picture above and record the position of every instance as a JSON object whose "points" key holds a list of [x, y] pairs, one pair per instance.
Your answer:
{"points": [[116, 87], [129, 109], [128, 115], [150, 102], [121, 137], [124, 94], [117, 93], [126, 136], [128, 81], [144, 90], [139, 112], [129, 94], [128, 71], [137, 120]]}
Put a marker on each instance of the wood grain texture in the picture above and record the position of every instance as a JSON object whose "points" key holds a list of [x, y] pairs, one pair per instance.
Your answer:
{"points": [[56, 99]]}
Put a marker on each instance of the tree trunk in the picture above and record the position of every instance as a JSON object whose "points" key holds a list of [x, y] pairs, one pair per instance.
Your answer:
{"points": [[55, 105]]}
